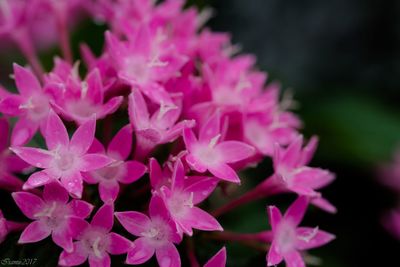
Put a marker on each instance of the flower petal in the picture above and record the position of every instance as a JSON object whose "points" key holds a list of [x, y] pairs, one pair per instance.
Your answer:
{"points": [[273, 256], [199, 219], [314, 178], [55, 134], [80, 208], [103, 261], [202, 188], [91, 162], [224, 172], [118, 244], [104, 217], [23, 131], [76, 257], [274, 216], [121, 144], [168, 256], [28, 203], [211, 128], [294, 259], [73, 184], [63, 239], [34, 232], [141, 251], [178, 175], [234, 151], [108, 191], [134, 222], [134, 170], [54, 191], [296, 211], [26, 81], [37, 179], [309, 238], [218, 260], [189, 138], [37, 157], [83, 137]]}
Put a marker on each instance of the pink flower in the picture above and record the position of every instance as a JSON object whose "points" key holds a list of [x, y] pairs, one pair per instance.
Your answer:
{"points": [[31, 106], [122, 171], [64, 159], [391, 221], [79, 100], [9, 163], [181, 197], [162, 127], [157, 234], [8, 226], [218, 260], [52, 215], [289, 239], [209, 153], [95, 242]]}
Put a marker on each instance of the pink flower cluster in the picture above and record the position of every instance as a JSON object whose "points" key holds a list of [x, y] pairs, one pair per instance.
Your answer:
{"points": [[188, 116], [390, 177]]}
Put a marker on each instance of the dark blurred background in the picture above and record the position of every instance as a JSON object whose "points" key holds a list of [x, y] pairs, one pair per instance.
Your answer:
{"points": [[342, 60]]}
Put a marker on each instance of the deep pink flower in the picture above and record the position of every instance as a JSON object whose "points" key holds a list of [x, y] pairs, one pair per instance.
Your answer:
{"points": [[31, 106], [7, 226], [79, 100], [9, 163], [210, 153], [157, 234], [52, 215], [159, 128], [64, 159], [181, 197], [218, 260], [289, 238], [120, 171], [391, 221], [95, 241]]}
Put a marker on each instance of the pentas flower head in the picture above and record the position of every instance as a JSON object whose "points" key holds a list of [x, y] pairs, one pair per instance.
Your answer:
{"points": [[157, 234], [289, 239], [145, 61], [65, 159], [210, 153], [95, 241], [79, 100], [181, 197], [52, 215], [159, 128], [9, 163], [218, 260], [120, 171], [31, 106], [7, 226]]}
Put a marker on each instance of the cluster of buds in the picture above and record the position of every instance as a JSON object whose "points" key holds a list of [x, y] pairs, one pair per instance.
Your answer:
{"points": [[178, 115]]}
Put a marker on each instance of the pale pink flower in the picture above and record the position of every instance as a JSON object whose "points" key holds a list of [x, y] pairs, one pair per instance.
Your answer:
{"points": [[181, 197], [210, 153], [79, 100], [289, 239], [157, 234], [159, 128], [31, 106], [121, 170], [65, 159], [9, 163], [52, 215], [218, 260], [95, 241], [7, 226]]}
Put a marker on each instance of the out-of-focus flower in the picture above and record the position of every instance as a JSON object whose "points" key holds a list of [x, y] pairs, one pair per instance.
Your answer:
{"points": [[7, 226], [218, 260]]}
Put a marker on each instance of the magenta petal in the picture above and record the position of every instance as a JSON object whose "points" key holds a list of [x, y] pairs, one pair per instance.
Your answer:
{"points": [[55, 133], [134, 170], [224, 172], [10, 105], [91, 162], [234, 151], [110, 106], [323, 204], [80, 208], [121, 144], [274, 216], [195, 164], [37, 179], [178, 175], [134, 222], [202, 189], [199, 219], [37, 157], [273, 256], [26, 82], [95, 86], [314, 178], [292, 155], [28, 203], [168, 256], [138, 112], [34, 232], [118, 244], [23, 131], [55, 192], [218, 260], [103, 261], [158, 208], [76, 257], [63, 239], [189, 138], [309, 238], [104, 217], [108, 191], [141, 251], [4, 130], [73, 184], [296, 211], [156, 174], [211, 128], [294, 259], [83, 137]]}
